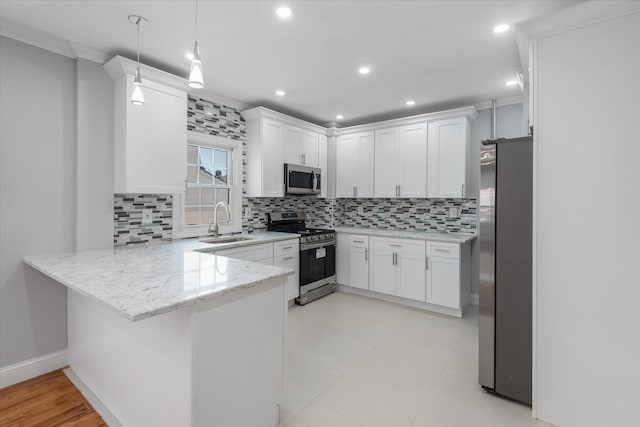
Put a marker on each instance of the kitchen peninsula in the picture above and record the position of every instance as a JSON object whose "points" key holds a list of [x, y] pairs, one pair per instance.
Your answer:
{"points": [[169, 335]]}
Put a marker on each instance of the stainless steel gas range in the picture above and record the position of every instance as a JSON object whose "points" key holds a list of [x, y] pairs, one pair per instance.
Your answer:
{"points": [[317, 254]]}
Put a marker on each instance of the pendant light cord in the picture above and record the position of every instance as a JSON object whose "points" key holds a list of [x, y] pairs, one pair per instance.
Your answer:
{"points": [[138, 43], [196, 19]]}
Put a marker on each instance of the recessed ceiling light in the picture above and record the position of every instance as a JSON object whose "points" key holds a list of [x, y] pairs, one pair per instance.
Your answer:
{"points": [[280, 93], [339, 117], [283, 12], [188, 55], [501, 28], [364, 70], [411, 102], [511, 83]]}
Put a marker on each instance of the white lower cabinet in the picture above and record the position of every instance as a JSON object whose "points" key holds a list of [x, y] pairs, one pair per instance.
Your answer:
{"points": [[436, 274], [359, 262], [398, 267], [285, 253], [343, 249]]}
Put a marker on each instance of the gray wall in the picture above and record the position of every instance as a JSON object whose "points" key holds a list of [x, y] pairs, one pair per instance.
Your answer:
{"points": [[509, 125], [37, 195], [94, 214]]}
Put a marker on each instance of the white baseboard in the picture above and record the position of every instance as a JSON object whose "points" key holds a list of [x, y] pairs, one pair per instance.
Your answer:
{"points": [[475, 299], [93, 400], [31, 368]]}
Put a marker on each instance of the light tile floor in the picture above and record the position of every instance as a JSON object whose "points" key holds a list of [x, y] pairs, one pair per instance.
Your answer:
{"points": [[356, 361]]}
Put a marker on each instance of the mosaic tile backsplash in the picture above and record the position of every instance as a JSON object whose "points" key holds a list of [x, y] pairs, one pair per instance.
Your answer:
{"points": [[397, 214], [320, 211], [217, 119], [408, 214], [127, 216]]}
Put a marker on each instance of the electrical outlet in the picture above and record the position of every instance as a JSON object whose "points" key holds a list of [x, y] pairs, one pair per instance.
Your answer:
{"points": [[247, 212], [147, 216], [360, 210], [453, 212]]}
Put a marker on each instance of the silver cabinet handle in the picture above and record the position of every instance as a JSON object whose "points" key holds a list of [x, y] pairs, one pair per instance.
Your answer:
{"points": [[462, 191], [393, 258], [287, 247], [354, 191], [426, 263], [288, 258], [186, 187], [358, 241], [366, 255], [442, 250], [396, 246]]}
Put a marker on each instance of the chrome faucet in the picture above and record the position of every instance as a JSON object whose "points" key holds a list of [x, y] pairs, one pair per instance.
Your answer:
{"points": [[214, 230]]}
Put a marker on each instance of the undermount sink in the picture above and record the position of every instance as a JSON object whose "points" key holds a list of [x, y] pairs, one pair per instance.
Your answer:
{"points": [[224, 239]]}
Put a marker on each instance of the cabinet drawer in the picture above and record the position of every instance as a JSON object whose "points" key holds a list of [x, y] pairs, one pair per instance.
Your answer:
{"points": [[405, 247], [249, 253], [358, 241], [286, 247], [443, 250]]}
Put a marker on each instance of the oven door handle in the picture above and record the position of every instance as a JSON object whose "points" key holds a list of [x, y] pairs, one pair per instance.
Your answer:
{"points": [[308, 246]]}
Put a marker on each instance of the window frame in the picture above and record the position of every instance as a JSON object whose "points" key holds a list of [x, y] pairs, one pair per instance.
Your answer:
{"points": [[234, 147]]}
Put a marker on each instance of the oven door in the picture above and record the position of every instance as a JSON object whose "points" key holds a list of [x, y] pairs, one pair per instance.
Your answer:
{"points": [[317, 262], [301, 179]]}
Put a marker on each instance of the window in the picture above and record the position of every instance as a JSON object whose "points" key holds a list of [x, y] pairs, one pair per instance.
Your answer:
{"points": [[208, 182], [213, 174]]}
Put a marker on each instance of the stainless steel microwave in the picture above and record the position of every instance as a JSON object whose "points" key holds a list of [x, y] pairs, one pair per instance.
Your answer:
{"points": [[301, 179]]}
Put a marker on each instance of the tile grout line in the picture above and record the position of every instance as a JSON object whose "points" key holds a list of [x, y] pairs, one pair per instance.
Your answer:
{"points": [[435, 384]]}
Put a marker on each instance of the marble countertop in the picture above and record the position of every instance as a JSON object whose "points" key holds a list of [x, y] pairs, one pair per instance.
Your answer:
{"points": [[252, 239], [145, 281], [404, 234]]}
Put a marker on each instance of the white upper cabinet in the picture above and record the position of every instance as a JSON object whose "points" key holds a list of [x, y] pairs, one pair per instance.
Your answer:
{"points": [[323, 164], [150, 140], [301, 146], [292, 145], [448, 157], [274, 139], [386, 163], [401, 161], [354, 165], [309, 148]]}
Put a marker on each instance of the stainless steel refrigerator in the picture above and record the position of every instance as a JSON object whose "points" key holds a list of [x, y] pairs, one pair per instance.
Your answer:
{"points": [[505, 209]]}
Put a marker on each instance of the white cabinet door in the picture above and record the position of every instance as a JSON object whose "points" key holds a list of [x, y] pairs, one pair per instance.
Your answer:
{"points": [[293, 281], [292, 143], [411, 266], [151, 147], [364, 184], [343, 245], [382, 268], [323, 164], [309, 148], [346, 169], [447, 158], [412, 161], [443, 282], [272, 153], [354, 177], [286, 254], [359, 267], [386, 163]]}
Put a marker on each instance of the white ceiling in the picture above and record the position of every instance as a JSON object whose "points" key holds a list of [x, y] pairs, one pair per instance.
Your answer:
{"points": [[442, 54]]}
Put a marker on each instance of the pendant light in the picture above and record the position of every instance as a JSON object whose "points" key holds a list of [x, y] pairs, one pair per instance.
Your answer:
{"points": [[137, 96], [196, 77]]}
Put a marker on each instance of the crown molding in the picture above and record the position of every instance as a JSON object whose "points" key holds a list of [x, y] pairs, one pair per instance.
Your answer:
{"points": [[51, 43], [120, 66], [259, 112], [469, 112]]}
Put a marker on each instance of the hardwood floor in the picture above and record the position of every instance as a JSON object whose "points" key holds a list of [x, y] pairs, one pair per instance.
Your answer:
{"points": [[48, 400]]}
